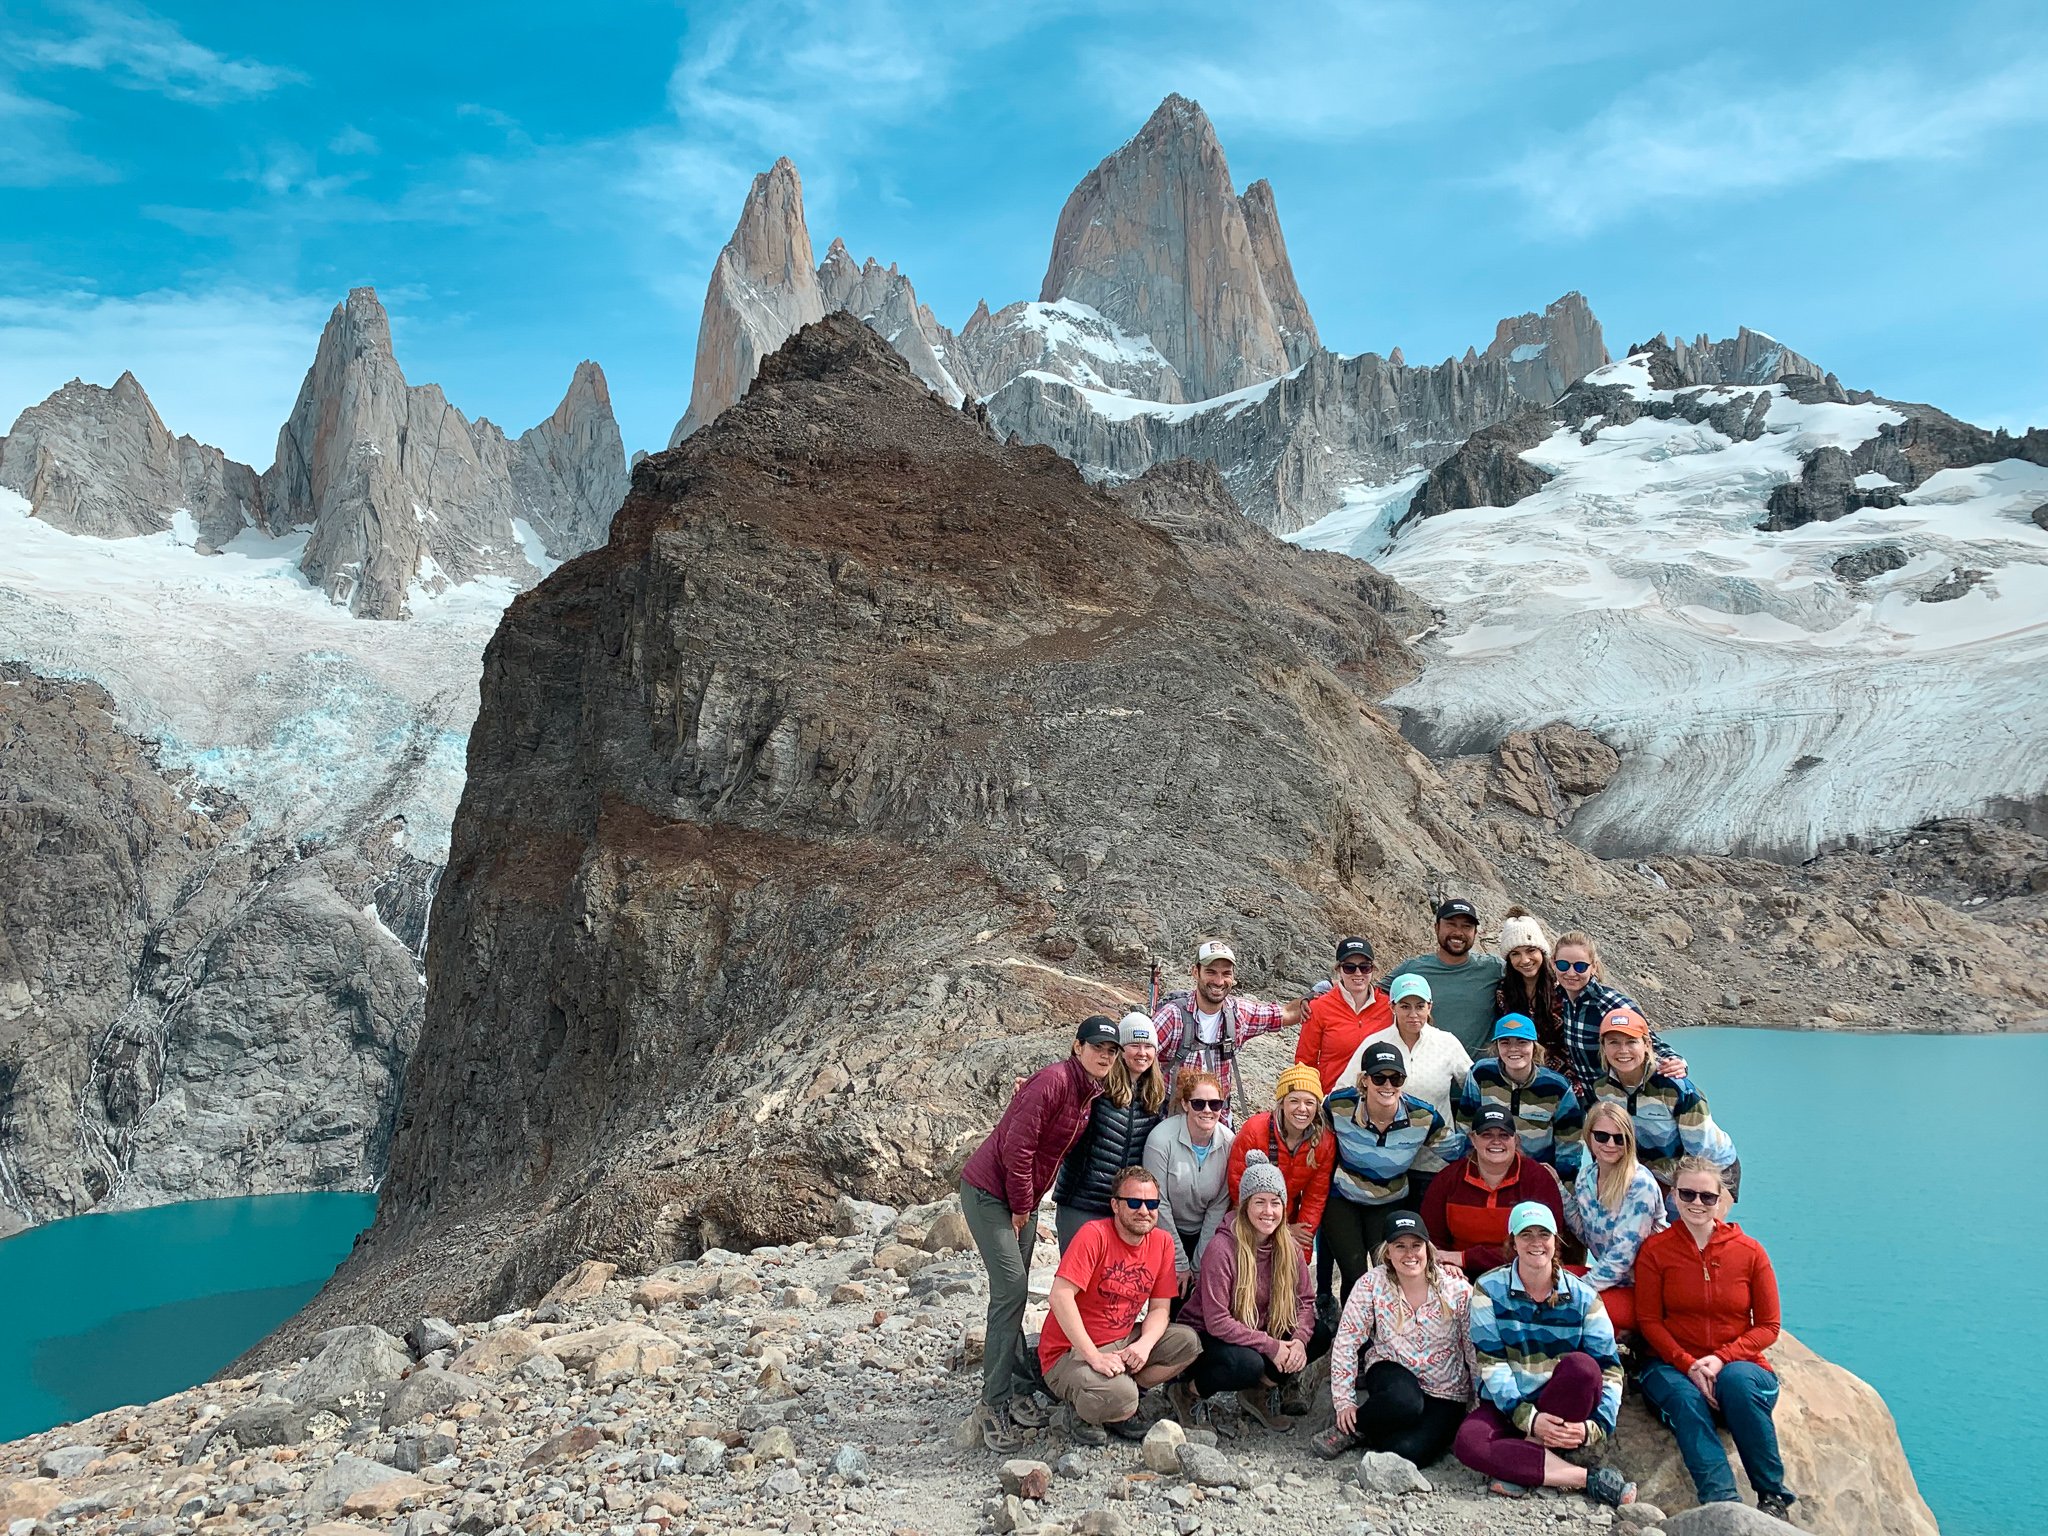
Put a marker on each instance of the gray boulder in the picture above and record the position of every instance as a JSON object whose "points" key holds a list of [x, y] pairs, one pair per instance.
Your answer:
{"points": [[347, 1474], [1384, 1472], [69, 1460], [430, 1334], [1208, 1467], [1723, 1520], [426, 1392], [354, 1363], [270, 1420]]}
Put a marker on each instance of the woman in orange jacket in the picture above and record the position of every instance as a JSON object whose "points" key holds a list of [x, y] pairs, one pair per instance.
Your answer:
{"points": [[1339, 1020], [1295, 1138]]}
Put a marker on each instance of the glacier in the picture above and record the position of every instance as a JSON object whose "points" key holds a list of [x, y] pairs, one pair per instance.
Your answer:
{"points": [[1761, 702]]}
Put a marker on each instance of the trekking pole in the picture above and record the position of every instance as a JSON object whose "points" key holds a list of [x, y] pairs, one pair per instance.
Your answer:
{"points": [[1152, 997]]}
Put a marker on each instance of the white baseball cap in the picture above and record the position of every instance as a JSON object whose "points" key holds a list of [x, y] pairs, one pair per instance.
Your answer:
{"points": [[1214, 949]]}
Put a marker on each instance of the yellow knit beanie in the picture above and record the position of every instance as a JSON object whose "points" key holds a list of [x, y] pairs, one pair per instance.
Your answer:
{"points": [[1301, 1077]]}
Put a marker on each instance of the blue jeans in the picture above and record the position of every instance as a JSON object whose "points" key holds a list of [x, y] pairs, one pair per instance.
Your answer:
{"points": [[1748, 1393]]}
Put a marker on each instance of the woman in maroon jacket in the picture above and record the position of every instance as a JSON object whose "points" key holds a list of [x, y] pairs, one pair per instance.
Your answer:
{"points": [[1000, 1188]]}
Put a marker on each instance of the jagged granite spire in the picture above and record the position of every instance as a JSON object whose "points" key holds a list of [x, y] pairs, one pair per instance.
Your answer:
{"points": [[1269, 249], [764, 286], [570, 471], [1548, 353], [883, 299]]}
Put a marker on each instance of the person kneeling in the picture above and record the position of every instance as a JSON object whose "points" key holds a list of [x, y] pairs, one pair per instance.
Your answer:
{"points": [[1253, 1307], [1407, 1323], [1113, 1270], [1549, 1376]]}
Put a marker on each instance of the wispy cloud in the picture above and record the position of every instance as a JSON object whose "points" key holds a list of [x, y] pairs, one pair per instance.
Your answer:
{"points": [[1704, 133], [35, 143], [136, 47], [223, 364], [352, 141]]}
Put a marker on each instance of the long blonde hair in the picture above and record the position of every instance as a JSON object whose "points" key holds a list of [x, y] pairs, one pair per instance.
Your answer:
{"points": [[1432, 1271], [1615, 1177], [1150, 1089], [1284, 1296]]}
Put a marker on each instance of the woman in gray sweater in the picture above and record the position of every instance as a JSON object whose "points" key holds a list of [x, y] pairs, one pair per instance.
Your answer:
{"points": [[1189, 1155]]}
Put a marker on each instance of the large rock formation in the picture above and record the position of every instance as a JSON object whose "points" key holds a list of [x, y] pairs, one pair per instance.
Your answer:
{"points": [[1276, 273], [1155, 239], [184, 1012], [101, 462], [569, 473], [1548, 353], [764, 286], [882, 298]]}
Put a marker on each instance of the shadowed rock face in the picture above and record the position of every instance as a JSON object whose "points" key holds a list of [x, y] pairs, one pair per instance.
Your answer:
{"points": [[1269, 249]]}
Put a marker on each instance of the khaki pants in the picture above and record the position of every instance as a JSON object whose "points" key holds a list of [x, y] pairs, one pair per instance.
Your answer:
{"points": [[1101, 1399]]}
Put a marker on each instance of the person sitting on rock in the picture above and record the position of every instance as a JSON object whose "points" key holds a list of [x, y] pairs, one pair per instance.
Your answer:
{"points": [[1295, 1137], [1584, 999], [1202, 1030], [1114, 1271], [1518, 1077], [1461, 981], [1253, 1307], [1389, 1145], [1707, 1304], [1401, 1364], [1528, 983], [1189, 1155], [1548, 1374], [1133, 1101], [1467, 1205], [1340, 1020], [1613, 1207], [1000, 1188], [1669, 1114], [1437, 1061]]}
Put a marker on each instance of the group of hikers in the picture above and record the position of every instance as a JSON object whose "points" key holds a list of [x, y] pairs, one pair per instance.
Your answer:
{"points": [[1488, 1191]]}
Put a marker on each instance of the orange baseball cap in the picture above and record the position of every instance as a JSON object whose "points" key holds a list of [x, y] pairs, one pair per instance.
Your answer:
{"points": [[1625, 1021]]}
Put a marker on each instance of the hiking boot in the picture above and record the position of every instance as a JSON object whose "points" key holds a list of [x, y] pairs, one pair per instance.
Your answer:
{"points": [[994, 1429], [1606, 1486], [1184, 1400], [1079, 1430], [1262, 1404], [1332, 1443], [1777, 1505], [1588, 1455], [1027, 1412], [1132, 1428]]}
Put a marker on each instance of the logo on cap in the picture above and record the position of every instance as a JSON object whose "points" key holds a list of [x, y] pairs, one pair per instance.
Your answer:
{"points": [[1409, 986], [1457, 906], [1097, 1029], [1491, 1117], [1380, 1058], [1214, 949], [1354, 949], [1625, 1021]]}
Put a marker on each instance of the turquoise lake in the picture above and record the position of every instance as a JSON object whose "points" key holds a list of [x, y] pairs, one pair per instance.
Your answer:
{"points": [[121, 1308], [1890, 1177]]}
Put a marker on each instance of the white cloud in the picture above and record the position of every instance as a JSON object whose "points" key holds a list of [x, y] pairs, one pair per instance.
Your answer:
{"points": [[1703, 134], [223, 365], [35, 144], [137, 48], [352, 141]]}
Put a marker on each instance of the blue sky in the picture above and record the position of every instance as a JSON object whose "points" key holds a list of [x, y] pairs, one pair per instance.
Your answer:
{"points": [[187, 190]]}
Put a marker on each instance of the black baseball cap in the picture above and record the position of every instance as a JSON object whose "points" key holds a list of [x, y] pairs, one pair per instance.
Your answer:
{"points": [[1098, 1029], [1493, 1117], [1382, 1058], [1353, 949], [1457, 906], [1404, 1224]]}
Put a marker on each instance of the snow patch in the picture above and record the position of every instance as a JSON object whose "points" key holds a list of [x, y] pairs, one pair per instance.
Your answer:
{"points": [[1528, 351]]}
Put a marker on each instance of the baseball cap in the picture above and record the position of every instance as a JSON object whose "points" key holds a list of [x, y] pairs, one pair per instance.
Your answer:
{"points": [[1408, 986], [1353, 949], [1514, 1026], [1098, 1029], [1136, 1029], [1625, 1021], [1383, 1058], [1214, 949], [1492, 1117], [1404, 1224], [1531, 1213], [1457, 906]]}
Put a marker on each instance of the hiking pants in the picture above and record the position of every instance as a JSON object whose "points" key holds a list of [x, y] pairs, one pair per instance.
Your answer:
{"points": [[1006, 1255], [1068, 1220], [1489, 1443], [1748, 1393], [1233, 1368], [1395, 1414], [1100, 1399], [1353, 1231]]}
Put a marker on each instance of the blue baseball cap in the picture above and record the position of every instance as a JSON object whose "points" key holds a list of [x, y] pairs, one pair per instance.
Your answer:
{"points": [[1531, 1213], [1515, 1026], [1408, 986]]}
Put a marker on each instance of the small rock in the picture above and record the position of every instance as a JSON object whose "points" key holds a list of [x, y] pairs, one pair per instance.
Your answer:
{"points": [[1102, 1522], [851, 1463], [270, 1420], [1161, 1446], [1385, 1473], [1026, 1479], [1208, 1467], [423, 1393], [1180, 1496], [1073, 1464], [496, 1354], [1640, 1513], [948, 1232], [652, 1295], [352, 1364], [430, 1334], [701, 1457], [1008, 1514], [566, 1446], [784, 1484], [901, 1259], [379, 1501], [344, 1478], [848, 1291], [69, 1460], [775, 1443], [585, 1281]]}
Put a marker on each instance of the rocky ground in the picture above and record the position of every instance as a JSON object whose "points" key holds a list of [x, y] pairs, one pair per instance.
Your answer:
{"points": [[815, 1387]]}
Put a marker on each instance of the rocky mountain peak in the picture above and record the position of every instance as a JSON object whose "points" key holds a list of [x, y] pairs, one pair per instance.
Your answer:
{"points": [[1547, 353], [763, 286], [1269, 248], [1156, 240], [884, 298], [570, 473]]}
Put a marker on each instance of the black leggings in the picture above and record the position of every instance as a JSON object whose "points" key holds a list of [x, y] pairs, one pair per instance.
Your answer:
{"points": [[1395, 1414], [1232, 1368], [1353, 1231]]}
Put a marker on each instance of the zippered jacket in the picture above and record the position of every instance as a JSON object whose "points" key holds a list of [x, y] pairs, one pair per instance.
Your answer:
{"points": [[1671, 1120], [1550, 1122], [1613, 1239], [1720, 1300], [1191, 1190], [1112, 1140], [1517, 1342], [1332, 1030], [1373, 1166], [1021, 1157], [1308, 1189]]}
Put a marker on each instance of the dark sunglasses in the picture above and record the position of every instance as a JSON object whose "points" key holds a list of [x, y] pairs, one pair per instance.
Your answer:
{"points": [[1388, 1079], [1140, 1205], [1355, 967], [1698, 1196], [1578, 967], [1609, 1138], [1208, 1103]]}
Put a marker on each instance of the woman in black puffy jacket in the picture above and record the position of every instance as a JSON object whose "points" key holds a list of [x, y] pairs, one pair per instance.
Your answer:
{"points": [[1133, 1100]]}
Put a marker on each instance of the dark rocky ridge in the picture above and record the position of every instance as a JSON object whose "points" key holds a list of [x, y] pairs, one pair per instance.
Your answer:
{"points": [[871, 752]]}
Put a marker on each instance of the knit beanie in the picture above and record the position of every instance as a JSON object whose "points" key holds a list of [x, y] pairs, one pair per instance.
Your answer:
{"points": [[1523, 931], [1260, 1177], [1299, 1078]]}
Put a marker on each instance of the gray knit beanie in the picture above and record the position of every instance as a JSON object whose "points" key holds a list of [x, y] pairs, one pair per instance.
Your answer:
{"points": [[1260, 1177]]}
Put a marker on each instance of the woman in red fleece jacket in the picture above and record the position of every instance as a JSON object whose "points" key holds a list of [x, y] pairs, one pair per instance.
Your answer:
{"points": [[1295, 1138], [1707, 1303]]}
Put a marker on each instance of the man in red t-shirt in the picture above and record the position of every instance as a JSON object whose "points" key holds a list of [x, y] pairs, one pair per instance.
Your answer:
{"points": [[1113, 1270]]}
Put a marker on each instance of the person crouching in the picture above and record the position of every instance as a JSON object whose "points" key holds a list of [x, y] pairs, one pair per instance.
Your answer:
{"points": [[1114, 1270], [1253, 1307]]}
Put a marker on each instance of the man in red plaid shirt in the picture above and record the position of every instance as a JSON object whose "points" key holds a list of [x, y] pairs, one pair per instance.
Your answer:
{"points": [[1201, 1030]]}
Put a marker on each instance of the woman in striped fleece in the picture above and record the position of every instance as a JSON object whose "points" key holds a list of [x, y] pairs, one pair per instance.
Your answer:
{"points": [[1670, 1116]]}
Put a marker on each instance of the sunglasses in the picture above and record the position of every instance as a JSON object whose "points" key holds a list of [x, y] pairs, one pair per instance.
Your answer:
{"points": [[1609, 1138], [1388, 1079], [1577, 967], [1355, 967], [1140, 1205], [1208, 1103], [1697, 1196]]}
